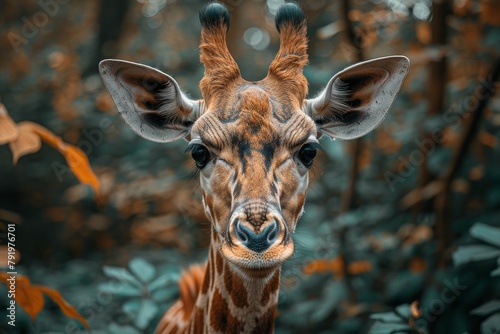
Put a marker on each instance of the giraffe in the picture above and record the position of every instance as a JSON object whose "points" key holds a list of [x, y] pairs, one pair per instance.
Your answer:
{"points": [[253, 143]]}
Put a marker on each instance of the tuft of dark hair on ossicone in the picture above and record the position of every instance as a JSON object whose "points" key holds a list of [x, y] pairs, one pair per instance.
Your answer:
{"points": [[212, 14], [289, 13]]}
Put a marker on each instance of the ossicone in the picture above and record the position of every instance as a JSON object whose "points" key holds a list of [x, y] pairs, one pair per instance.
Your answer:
{"points": [[213, 14]]}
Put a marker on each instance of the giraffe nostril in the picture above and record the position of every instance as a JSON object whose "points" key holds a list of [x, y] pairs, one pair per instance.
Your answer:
{"points": [[240, 233], [257, 242], [273, 232]]}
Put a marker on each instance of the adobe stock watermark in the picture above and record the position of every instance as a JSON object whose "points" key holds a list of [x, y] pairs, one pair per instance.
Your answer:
{"points": [[427, 146], [437, 306], [91, 139], [32, 25]]}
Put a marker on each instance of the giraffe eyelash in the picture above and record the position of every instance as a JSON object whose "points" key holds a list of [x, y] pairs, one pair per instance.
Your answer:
{"points": [[316, 145], [189, 148]]}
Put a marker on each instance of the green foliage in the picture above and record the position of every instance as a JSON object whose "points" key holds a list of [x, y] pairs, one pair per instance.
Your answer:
{"points": [[478, 252], [143, 291], [392, 322]]}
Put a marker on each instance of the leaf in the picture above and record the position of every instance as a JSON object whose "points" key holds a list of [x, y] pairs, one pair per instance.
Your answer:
{"points": [[75, 157], [487, 233], [166, 294], [120, 289], [386, 317], [403, 310], [65, 307], [162, 281], [131, 307], [359, 267], [142, 269], [26, 142], [147, 311], [465, 254], [387, 328], [491, 325], [121, 274], [29, 297], [487, 308], [80, 166], [8, 129]]}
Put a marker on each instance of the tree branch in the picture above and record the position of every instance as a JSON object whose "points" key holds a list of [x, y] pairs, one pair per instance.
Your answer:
{"points": [[470, 129], [437, 87]]}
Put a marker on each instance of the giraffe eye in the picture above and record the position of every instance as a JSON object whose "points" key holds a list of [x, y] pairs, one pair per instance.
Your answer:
{"points": [[200, 155], [307, 153]]}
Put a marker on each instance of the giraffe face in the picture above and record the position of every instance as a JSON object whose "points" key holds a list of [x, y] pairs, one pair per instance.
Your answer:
{"points": [[254, 141], [254, 151]]}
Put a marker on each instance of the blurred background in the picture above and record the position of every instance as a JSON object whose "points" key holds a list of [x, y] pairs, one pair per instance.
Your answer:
{"points": [[401, 231]]}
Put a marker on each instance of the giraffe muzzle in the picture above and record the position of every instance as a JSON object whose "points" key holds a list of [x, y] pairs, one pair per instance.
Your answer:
{"points": [[257, 242]]}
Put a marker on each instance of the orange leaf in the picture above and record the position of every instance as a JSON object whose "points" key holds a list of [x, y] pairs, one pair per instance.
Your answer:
{"points": [[28, 297], [324, 266], [8, 129], [80, 166], [26, 142], [359, 267], [336, 266], [415, 312], [65, 307], [76, 159], [415, 309]]}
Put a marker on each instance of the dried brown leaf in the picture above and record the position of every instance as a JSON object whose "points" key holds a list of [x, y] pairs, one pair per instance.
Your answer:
{"points": [[30, 298], [8, 129], [75, 157], [26, 142]]}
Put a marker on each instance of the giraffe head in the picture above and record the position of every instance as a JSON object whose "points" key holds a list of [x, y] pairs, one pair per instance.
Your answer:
{"points": [[254, 142]]}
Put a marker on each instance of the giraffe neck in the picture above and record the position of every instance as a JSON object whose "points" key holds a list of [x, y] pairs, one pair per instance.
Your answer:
{"points": [[232, 301]]}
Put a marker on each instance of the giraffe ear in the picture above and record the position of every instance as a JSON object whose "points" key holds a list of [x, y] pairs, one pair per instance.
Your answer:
{"points": [[357, 99], [150, 101]]}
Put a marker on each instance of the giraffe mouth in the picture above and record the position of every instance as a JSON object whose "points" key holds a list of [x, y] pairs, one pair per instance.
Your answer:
{"points": [[249, 260]]}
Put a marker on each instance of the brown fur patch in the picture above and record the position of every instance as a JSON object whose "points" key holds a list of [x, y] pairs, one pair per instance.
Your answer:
{"points": [[221, 318], [190, 285], [207, 279], [219, 262], [265, 323], [235, 288], [271, 287], [300, 204], [197, 321]]}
